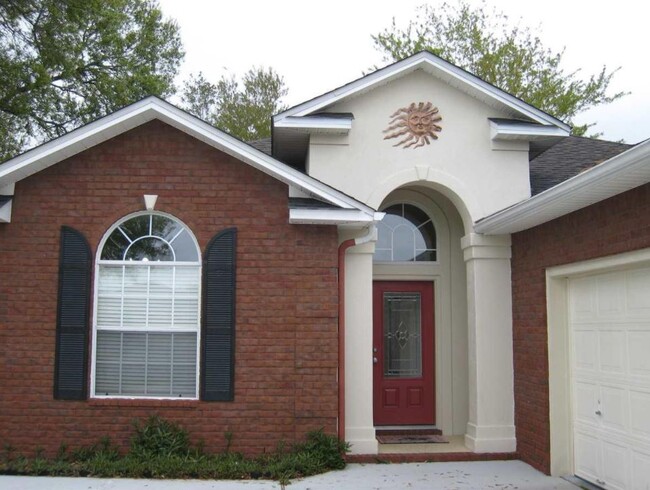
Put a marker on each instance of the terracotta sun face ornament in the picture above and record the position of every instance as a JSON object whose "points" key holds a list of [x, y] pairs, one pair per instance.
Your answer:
{"points": [[416, 124]]}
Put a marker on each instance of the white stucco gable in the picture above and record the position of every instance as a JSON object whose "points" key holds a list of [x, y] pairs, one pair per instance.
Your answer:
{"points": [[479, 159]]}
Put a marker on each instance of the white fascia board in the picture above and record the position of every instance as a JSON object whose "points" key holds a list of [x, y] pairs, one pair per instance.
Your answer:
{"points": [[429, 61], [526, 132], [74, 142], [619, 174], [153, 108], [331, 216], [318, 124]]}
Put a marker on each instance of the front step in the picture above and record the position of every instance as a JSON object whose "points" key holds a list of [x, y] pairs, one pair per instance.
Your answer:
{"points": [[410, 436], [428, 457], [408, 432]]}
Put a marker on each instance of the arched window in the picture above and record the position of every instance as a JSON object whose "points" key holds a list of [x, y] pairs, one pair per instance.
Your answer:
{"points": [[406, 234], [147, 309]]}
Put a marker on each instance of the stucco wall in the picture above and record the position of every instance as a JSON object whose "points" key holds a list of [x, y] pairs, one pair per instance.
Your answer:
{"points": [[617, 225], [286, 332], [367, 167]]}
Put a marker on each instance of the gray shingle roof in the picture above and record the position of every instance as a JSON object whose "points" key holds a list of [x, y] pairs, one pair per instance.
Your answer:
{"points": [[263, 145], [568, 158], [308, 203]]}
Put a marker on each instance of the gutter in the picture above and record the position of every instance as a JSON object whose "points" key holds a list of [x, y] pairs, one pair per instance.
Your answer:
{"points": [[619, 174], [371, 235]]}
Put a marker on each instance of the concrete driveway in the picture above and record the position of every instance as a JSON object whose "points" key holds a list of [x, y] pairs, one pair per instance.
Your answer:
{"points": [[499, 475]]}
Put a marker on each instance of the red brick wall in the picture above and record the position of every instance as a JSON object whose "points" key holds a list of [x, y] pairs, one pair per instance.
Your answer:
{"points": [[286, 337], [617, 225]]}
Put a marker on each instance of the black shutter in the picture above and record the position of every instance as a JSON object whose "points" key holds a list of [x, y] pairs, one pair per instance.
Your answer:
{"points": [[218, 339], [71, 359]]}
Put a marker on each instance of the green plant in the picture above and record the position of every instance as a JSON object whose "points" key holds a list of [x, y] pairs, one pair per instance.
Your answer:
{"points": [[319, 453], [325, 448], [161, 449], [159, 437], [9, 449], [229, 437], [61, 453]]}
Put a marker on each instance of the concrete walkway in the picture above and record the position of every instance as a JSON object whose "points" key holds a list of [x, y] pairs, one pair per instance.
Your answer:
{"points": [[498, 475]]}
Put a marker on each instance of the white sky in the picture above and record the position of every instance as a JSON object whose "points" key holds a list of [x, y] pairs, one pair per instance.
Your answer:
{"points": [[318, 46]]}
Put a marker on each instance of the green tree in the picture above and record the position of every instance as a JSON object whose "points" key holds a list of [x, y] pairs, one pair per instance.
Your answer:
{"points": [[506, 55], [243, 109], [66, 62]]}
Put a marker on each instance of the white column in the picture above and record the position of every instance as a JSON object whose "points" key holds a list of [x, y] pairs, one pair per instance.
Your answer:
{"points": [[491, 425], [359, 427]]}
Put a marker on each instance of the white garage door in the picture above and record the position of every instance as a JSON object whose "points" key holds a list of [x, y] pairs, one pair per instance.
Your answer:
{"points": [[609, 318]]}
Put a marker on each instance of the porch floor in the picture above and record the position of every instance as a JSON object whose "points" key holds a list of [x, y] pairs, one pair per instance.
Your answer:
{"points": [[456, 444]]}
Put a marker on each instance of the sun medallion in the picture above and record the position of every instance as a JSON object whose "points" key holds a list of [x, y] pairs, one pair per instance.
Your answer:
{"points": [[415, 123]]}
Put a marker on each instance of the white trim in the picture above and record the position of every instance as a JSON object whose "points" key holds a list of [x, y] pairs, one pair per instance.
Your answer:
{"points": [[153, 108], [5, 211], [197, 330], [147, 263], [509, 131], [144, 398], [317, 124], [306, 216], [150, 201], [559, 360], [432, 63], [621, 173]]}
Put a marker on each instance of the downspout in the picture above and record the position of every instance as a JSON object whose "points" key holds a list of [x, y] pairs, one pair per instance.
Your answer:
{"points": [[371, 235]]}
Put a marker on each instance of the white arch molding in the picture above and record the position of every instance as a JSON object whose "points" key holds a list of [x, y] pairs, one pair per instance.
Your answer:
{"points": [[449, 186]]}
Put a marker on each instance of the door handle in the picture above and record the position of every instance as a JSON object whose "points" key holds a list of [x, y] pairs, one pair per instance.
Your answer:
{"points": [[598, 412], [374, 360]]}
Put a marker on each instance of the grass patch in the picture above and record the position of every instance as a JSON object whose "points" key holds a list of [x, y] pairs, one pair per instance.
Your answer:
{"points": [[162, 449]]}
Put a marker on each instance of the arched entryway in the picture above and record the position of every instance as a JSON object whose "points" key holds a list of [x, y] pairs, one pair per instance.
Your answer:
{"points": [[420, 377]]}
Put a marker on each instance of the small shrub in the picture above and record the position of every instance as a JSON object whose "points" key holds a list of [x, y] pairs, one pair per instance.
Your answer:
{"points": [[159, 437], [161, 449], [319, 453], [62, 452], [8, 452], [328, 450]]}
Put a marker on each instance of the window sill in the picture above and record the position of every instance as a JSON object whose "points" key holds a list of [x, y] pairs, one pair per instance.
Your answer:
{"points": [[143, 403]]}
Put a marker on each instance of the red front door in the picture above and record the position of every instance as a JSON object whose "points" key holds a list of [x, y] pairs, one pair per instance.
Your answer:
{"points": [[404, 389]]}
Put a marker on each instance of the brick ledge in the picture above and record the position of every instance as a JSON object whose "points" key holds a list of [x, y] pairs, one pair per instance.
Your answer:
{"points": [[144, 403]]}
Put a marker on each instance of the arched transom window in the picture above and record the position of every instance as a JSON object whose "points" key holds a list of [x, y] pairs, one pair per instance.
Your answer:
{"points": [[406, 234], [147, 309]]}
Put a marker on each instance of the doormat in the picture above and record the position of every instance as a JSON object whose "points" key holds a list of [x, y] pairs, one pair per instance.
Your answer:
{"points": [[412, 439]]}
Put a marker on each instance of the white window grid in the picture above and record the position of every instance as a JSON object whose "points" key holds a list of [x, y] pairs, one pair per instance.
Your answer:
{"points": [[145, 328]]}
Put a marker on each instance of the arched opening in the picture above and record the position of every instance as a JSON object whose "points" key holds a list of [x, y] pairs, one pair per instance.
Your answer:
{"points": [[427, 224]]}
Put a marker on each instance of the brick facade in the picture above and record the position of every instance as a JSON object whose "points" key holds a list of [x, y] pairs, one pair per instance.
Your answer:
{"points": [[286, 333], [617, 225]]}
